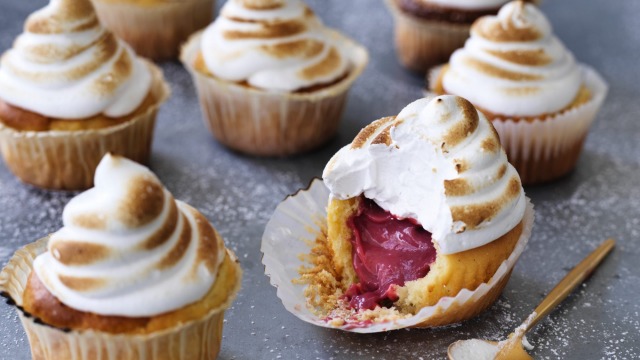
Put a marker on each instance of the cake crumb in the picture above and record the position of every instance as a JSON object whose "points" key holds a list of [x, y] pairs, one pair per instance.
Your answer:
{"points": [[325, 290], [324, 287]]}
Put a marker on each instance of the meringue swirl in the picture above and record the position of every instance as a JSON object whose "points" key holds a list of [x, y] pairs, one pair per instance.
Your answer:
{"points": [[273, 44], [128, 248], [513, 65], [439, 162], [65, 65]]}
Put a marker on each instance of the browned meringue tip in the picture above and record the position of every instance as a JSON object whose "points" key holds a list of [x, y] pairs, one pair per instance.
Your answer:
{"points": [[492, 29], [66, 160], [262, 4], [80, 12]]}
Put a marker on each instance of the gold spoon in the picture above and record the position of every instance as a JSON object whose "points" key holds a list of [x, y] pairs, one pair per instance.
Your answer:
{"points": [[512, 347]]}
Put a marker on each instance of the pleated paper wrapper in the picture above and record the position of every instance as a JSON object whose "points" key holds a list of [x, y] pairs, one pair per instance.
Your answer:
{"points": [[299, 219], [422, 43], [546, 149]]}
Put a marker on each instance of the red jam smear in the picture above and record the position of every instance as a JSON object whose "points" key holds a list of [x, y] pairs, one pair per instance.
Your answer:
{"points": [[387, 252]]}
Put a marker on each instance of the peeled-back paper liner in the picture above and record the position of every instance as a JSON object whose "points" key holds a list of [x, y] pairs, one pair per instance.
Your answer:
{"points": [[155, 30], [293, 228], [422, 43], [546, 138], [66, 160], [271, 123], [198, 339]]}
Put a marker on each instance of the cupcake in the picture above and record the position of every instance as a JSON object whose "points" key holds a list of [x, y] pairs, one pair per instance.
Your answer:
{"points": [[155, 28], [528, 84], [272, 80], [428, 31], [133, 274], [424, 223], [70, 92]]}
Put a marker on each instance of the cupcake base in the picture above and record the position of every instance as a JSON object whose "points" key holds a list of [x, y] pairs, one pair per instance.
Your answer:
{"points": [[544, 149], [66, 160], [155, 30], [460, 311], [421, 43], [547, 168], [291, 233], [198, 339], [268, 123]]}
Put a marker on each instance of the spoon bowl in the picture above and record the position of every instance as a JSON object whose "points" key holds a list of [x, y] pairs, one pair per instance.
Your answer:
{"points": [[473, 349]]}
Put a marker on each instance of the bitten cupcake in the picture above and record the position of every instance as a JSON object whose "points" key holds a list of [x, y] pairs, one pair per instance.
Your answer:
{"points": [[271, 78], [428, 31], [70, 92], [132, 274], [425, 220], [155, 28], [522, 77]]}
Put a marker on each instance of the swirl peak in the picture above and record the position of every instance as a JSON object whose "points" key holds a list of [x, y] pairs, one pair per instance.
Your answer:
{"points": [[517, 21], [65, 65], [62, 16], [127, 245], [441, 152], [262, 4], [275, 45], [513, 65]]}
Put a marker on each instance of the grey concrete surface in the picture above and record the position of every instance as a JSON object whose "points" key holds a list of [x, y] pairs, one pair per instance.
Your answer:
{"points": [[238, 194]]}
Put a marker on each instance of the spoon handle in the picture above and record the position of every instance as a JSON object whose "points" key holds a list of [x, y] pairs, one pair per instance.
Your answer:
{"points": [[574, 278]]}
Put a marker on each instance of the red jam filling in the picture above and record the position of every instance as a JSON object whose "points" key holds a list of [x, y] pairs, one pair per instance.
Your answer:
{"points": [[387, 252]]}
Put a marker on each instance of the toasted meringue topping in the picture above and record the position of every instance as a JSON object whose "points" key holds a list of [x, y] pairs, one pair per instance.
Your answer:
{"points": [[262, 4], [274, 45], [440, 164], [467, 4], [513, 65], [67, 66], [128, 248]]}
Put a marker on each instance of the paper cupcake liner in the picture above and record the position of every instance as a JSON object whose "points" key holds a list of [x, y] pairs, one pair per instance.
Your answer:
{"points": [[192, 340], [66, 160], [421, 43], [545, 149], [268, 123], [155, 30], [296, 223]]}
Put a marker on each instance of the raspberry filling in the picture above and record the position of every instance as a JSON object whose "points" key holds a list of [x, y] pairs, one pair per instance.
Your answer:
{"points": [[387, 252]]}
